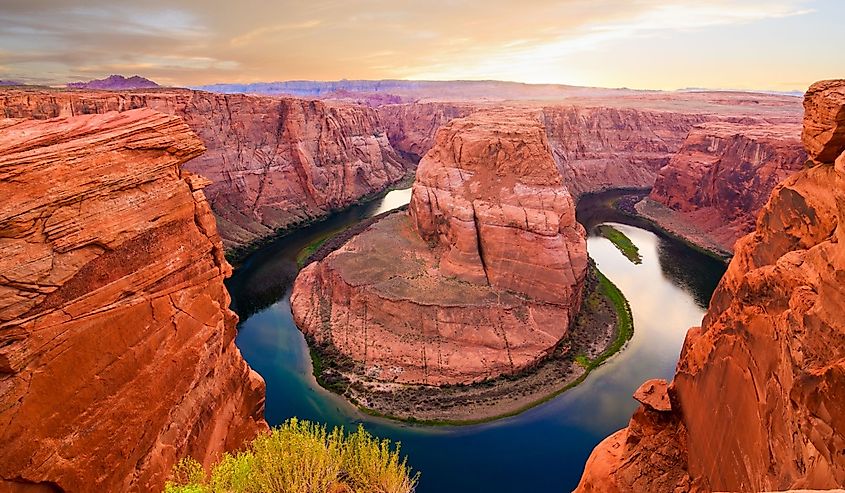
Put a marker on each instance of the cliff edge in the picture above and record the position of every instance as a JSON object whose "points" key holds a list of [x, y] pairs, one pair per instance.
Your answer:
{"points": [[757, 400], [117, 353]]}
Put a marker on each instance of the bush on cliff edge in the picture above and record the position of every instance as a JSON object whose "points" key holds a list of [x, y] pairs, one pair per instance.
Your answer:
{"points": [[302, 457]]}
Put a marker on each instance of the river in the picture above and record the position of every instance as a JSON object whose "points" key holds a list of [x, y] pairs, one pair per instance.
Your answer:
{"points": [[542, 449]]}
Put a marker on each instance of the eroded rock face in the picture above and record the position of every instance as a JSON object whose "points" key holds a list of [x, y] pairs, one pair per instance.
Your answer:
{"points": [[273, 162], [602, 148], [479, 279], [411, 127], [117, 352], [596, 148], [757, 400], [824, 120], [723, 175], [490, 196]]}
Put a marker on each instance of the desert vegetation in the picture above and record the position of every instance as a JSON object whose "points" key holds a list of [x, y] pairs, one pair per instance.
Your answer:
{"points": [[302, 457], [621, 242]]}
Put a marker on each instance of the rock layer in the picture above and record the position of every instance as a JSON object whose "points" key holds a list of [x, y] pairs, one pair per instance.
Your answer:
{"points": [[596, 146], [482, 276], [757, 399], [602, 148], [722, 176], [274, 163], [117, 352], [411, 127]]}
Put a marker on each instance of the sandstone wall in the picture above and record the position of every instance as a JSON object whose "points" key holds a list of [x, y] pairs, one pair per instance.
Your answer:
{"points": [[595, 147], [723, 175], [273, 162], [117, 353], [411, 127], [757, 400], [603, 148]]}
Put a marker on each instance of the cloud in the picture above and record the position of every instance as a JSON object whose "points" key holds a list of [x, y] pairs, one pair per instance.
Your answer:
{"points": [[197, 41], [532, 59], [247, 38]]}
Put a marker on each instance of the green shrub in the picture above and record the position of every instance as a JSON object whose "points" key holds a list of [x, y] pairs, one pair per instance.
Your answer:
{"points": [[302, 457]]}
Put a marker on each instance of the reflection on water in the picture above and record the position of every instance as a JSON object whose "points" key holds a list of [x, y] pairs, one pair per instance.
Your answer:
{"points": [[682, 265], [543, 449]]}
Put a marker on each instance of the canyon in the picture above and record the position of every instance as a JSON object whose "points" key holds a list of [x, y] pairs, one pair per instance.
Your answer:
{"points": [[756, 401], [278, 163], [117, 350], [615, 140], [109, 228], [274, 163], [481, 277], [714, 186]]}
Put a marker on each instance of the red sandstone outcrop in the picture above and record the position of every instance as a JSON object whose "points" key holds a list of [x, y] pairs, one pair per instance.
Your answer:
{"points": [[757, 400], [411, 127], [273, 162], [482, 276], [117, 353], [596, 147], [716, 184], [603, 148]]}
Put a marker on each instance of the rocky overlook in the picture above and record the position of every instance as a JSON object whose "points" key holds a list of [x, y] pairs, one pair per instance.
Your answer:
{"points": [[480, 278], [274, 163], [713, 188], [117, 353], [756, 402]]}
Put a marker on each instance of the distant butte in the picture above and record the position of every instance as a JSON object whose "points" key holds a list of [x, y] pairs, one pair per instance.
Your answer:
{"points": [[115, 83]]}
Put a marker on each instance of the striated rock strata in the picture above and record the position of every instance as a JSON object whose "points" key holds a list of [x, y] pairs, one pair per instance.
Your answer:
{"points": [[117, 353], [757, 400], [596, 148], [411, 127], [602, 148], [273, 162], [721, 178], [482, 276]]}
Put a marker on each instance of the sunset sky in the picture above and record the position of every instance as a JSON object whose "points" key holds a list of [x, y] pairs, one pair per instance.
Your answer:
{"points": [[647, 44]]}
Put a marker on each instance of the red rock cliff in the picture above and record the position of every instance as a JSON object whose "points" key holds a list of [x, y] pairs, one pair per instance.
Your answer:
{"points": [[722, 177], [480, 279], [411, 127], [595, 147], [757, 400], [600, 148], [117, 352], [273, 162]]}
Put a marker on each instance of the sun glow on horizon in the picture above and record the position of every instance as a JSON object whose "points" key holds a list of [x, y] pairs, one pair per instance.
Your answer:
{"points": [[647, 44]]}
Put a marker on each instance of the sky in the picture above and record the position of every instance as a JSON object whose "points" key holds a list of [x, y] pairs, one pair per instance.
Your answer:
{"points": [[778, 45]]}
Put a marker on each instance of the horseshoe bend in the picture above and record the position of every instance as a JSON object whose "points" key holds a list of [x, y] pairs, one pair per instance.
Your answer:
{"points": [[483, 276], [446, 247]]}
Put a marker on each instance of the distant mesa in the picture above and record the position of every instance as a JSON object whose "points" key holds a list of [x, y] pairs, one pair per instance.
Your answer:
{"points": [[115, 82], [10, 83]]}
